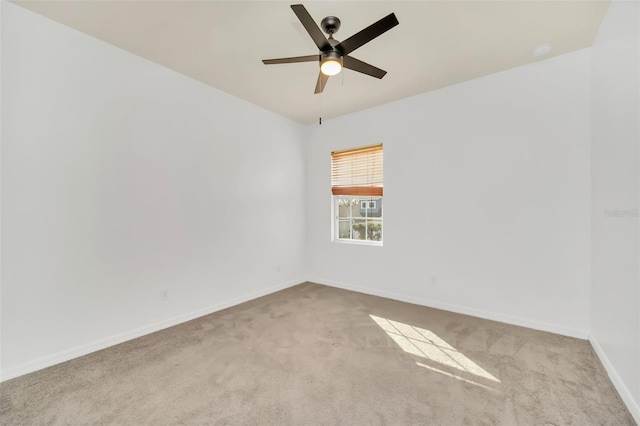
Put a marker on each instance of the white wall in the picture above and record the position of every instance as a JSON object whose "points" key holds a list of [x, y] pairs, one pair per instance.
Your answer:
{"points": [[114, 188], [121, 179], [486, 189], [615, 165]]}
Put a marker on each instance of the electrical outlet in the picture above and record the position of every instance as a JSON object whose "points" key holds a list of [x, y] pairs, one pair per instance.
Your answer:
{"points": [[164, 295], [279, 268], [434, 280]]}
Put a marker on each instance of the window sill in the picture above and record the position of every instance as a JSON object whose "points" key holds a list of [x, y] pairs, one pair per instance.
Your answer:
{"points": [[358, 242]]}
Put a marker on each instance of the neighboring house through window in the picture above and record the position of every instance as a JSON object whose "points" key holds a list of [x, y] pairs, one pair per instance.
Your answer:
{"points": [[356, 185]]}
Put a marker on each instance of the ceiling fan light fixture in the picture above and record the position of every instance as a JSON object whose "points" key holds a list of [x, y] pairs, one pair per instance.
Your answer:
{"points": [[331, 67], [331, 63]]}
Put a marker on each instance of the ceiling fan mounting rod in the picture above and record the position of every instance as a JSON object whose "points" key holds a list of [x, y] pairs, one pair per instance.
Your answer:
{"points": [[330, 25]]}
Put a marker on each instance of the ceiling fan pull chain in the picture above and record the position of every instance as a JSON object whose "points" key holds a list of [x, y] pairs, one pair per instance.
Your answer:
{"points": [[320, 118]]}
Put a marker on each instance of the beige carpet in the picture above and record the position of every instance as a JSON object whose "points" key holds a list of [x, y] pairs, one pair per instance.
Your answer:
{"points": [[317, 355]]}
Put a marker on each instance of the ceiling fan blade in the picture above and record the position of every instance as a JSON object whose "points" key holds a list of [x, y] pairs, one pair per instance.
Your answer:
{"points": [[322, 81], [310, 25], [368, 34], [308, 58], [363, 67]]}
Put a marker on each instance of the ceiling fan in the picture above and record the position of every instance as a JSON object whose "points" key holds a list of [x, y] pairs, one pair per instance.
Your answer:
{"points": [[335, 54]]}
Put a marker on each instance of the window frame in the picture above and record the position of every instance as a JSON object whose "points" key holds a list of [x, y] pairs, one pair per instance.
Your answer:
{"points": [[335, 221], [357, 174]]}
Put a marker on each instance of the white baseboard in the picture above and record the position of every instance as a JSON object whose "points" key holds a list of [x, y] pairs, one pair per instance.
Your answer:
{"points": [[523, 322], [78, 351], [632, 405]]}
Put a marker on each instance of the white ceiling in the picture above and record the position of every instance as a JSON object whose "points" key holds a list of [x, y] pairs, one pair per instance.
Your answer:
{"points": [[438, 43]]}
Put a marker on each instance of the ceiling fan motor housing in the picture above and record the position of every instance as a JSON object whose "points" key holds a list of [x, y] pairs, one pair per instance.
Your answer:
{"points": [[331, 55]]}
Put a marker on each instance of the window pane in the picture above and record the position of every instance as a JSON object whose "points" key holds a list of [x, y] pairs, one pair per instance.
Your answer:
{"points": [[344, 229], [360, 229], [344, 207], [374, 230], [367, 207], [355, 207]]}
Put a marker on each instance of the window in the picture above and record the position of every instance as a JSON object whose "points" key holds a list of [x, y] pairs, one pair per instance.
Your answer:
{"points": [[356, 185]]}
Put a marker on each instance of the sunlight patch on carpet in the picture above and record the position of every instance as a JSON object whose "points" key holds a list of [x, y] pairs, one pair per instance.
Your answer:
{"points": [[454, 376], [426, 344]]}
